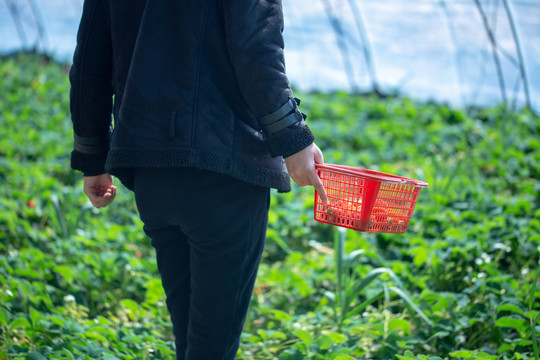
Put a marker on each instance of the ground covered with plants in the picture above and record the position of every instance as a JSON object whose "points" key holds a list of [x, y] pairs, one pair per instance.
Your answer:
{"points": [[78, 283]]}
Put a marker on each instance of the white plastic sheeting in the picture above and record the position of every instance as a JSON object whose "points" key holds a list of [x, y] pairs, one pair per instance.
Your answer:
{"points": [[427, 49]]}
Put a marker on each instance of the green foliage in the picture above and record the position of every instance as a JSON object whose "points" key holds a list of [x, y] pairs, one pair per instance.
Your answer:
{"points": [[78, 283]]}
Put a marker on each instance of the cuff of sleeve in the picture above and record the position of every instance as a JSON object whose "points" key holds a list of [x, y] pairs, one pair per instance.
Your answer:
{"points": [[90, 145], [294, 141], [88, 164], [287, 115]]}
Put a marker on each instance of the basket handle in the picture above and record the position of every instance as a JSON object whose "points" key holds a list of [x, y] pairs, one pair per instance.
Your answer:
{"points": [[404, 180], [371, 174]]}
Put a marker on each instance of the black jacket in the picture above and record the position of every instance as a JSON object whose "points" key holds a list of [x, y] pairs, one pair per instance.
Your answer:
{"points": [[197, 83]]}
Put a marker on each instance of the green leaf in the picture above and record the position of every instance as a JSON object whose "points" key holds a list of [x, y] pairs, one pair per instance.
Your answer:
{"points": [[463, 354], [57, 320], [337, 338], [473, 355], [3, 318], [20, 322], [94, 350], [522, 342], [506, 347], [507, 322], [107, 356], [130, 305], [439, 334], [324, 342], [35, 356], [34, 316], [279, 315], [299, 284], [511, 308], [29, 273], [262, 334], [420, 255], [154, 291], [305, 336], [399, 324], [484, 356], [278, 335], [68, 273]]}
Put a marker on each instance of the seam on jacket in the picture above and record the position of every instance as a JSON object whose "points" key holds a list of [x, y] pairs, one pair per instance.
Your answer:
{"points": [[82, 62], [228, 32], [197, 79], [107, 6], [130, 68]]}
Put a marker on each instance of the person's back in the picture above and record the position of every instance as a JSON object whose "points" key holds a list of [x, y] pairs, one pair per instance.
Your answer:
{"points": [[203, 117], [190, 79]]}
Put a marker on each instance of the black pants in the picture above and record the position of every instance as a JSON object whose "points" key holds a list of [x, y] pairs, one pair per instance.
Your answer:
{"points": [[208, 231]]}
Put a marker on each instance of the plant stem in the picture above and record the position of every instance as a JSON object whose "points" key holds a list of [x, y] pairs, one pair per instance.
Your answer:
{"points": [[342, 44], [453, 37], [493, 43], [368, 56], [339, 249], [17, 20], [42, 33], [532, 296], [519, 54]]}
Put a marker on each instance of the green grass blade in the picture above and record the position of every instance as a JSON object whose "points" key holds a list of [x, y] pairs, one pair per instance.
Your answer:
{"points": [[409, 302], [533, 336], [365, 304], [339, 253], [372, 275], [59, 215], [532, 294]]}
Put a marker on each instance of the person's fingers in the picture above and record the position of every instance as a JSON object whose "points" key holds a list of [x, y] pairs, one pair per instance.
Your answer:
{"points": [[95, 200], [102, 201], [108, 192], [110, 195], [318, 155], [100, 196], [318, 185]]}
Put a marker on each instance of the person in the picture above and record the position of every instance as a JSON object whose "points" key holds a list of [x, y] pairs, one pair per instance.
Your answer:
{"points": [[204, 125]]}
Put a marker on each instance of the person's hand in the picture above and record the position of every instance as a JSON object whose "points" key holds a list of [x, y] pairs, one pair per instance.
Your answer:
{"points": [[301, 167], [100, 189]]}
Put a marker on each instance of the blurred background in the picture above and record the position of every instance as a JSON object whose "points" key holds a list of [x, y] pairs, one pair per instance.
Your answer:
{"points": [[465, 53]]}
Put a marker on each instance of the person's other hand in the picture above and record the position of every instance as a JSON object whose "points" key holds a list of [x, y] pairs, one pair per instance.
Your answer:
{"points": [[100, 189], [301, 167]]}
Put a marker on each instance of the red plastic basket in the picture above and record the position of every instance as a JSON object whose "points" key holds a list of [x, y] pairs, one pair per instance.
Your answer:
{"points": [[366, 200]]}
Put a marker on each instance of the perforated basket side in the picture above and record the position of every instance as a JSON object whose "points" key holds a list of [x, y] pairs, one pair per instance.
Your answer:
{"points": [[350, 199], [365, 200], [393, 208]]}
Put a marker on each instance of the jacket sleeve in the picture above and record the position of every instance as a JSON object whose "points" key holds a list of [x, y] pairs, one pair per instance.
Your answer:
{"points": [[91, 90], [255, 44]]}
